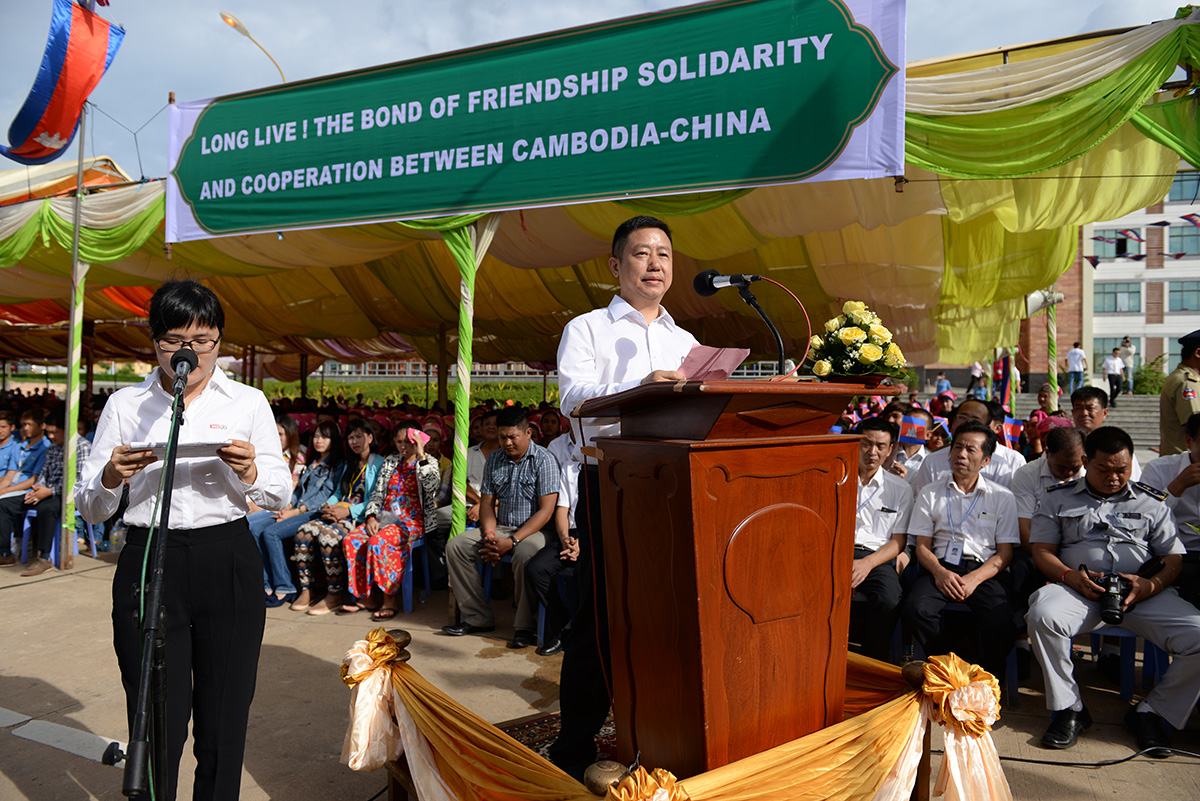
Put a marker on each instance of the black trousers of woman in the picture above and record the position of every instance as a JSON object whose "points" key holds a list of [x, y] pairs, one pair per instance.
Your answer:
{"points": [[583, 694], [215, 616]]}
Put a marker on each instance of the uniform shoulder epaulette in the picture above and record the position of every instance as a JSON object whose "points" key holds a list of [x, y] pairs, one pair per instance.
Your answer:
{"points": [[1062, 484], [1153, 492]]}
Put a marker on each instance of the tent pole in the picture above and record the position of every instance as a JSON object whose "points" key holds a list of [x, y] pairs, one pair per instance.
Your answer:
{"points": [[443, 367], [79, 269], [303, 375], [89, 341], [426, 385], [1052, 354]]}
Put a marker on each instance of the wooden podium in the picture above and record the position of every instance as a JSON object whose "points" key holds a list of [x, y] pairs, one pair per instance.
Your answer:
{"points": [[728, 514]]}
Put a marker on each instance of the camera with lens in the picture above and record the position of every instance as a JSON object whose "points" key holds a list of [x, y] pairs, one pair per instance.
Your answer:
{"points": [[1112, 603]]}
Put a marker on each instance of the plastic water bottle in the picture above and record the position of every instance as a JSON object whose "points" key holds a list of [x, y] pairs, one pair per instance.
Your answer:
{"points": [[116, 539]]}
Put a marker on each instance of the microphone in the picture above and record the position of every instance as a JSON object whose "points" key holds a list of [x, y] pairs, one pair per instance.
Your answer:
{"points": [[183, 362], [708, 282]]}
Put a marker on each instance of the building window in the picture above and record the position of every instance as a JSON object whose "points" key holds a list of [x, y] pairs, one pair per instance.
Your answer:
{"points": [[1185, 240], [1111, 244], [1184, 296], [1118, 298], [1185, 187], [1102, 348]]}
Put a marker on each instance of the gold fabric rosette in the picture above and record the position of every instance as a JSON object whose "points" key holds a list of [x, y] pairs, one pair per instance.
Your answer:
{"points": [[642, 786]]}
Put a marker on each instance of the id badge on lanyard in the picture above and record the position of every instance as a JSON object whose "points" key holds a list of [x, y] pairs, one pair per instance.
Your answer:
{"points": [[954, 548]]}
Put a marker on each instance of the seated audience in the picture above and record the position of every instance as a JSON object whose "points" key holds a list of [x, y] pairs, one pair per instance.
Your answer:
{"points": [[1178, 476], [1001, 465], [1089, 408], [341, 513], [401, 509], [966, 527], [1099, 525], [517, 499], [318, 481], [20, 478], [45, 497], [880, 534]]}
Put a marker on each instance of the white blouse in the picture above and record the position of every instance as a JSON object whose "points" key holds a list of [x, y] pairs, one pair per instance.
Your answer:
{"points": [[206, 491]]}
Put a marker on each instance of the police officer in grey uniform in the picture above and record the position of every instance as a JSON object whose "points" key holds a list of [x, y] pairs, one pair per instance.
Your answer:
{"points": [[1109, 524], [1180, 397]]}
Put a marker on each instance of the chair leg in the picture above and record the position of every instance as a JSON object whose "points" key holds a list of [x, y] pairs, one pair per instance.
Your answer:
{"points": [[406, 583], [428, 590], [541, 624]]}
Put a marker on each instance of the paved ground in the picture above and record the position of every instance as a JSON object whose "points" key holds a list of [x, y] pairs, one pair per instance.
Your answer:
{"points": [[61, 701]]}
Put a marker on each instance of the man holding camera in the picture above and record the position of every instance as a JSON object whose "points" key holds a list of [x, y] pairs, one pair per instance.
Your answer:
{"points": [[1109, 547]]}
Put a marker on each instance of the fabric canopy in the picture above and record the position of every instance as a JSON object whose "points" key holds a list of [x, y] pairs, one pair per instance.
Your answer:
{"points": [[1005, 164]]}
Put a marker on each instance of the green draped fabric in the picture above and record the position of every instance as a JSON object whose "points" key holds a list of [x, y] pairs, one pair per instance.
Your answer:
{"points": [[682, 205], [1040, 136], [96, 245], [1172, 124]]}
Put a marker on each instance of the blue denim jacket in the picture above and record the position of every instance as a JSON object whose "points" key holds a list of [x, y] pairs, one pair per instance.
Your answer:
{"points": [[315, 485]]}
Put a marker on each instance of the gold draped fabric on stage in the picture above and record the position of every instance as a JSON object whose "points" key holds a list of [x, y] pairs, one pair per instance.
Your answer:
{"points": [[872, 755]]}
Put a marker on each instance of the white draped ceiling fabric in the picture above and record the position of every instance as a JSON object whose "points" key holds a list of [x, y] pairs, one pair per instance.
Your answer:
{"points": [[946, 262]]}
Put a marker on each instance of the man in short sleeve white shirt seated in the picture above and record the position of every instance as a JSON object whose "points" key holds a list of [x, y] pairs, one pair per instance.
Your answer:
{"points": [[999, 469], [880, 533], [966, 529]]}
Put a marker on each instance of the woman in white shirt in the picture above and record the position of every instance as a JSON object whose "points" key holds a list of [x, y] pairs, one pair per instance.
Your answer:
{"points": [[212, 595]]}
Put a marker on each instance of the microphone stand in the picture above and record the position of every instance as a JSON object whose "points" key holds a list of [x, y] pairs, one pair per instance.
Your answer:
{"points": [[152, 681], [752, 302]]}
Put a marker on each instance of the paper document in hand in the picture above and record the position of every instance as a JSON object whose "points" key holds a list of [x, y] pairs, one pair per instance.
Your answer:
{"points": [[712, 364], [187, 450]]}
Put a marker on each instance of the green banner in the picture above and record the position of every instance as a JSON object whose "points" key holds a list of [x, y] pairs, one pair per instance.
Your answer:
{"points": [[726, 94]]}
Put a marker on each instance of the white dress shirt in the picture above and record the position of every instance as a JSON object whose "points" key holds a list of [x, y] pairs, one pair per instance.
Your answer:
{"points": [[610, 350], [1000, 470], [992, 521], [570, 459], [207, 492], [1029, 485], [1162, 471], [884, 506]]}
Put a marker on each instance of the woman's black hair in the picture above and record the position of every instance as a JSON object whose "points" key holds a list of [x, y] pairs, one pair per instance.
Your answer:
{"points": [[292, 431], [178, 304], [337, 447]]}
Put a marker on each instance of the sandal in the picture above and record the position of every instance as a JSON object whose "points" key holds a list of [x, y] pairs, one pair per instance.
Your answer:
{"points": [[383, 614], [348, 609]]}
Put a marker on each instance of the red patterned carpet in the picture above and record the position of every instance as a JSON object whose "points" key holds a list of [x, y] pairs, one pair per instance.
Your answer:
{"points": [[538, 733]]}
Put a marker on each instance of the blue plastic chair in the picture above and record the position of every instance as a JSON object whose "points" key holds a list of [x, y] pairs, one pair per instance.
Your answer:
{"points": [[27, 535], [406, 583], [1154, 659]]}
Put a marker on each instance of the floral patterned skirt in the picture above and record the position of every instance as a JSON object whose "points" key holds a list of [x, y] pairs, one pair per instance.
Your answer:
{"points": [[381, 559]]}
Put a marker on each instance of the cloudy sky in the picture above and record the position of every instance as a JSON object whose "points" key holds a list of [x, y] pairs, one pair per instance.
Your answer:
{"points": [[184, 47]]}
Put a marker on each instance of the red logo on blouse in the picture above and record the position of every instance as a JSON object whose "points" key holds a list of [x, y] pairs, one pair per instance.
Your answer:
{"points": [[219, 426]]}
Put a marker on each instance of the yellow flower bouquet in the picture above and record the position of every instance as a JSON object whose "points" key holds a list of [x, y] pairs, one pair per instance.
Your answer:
{"points": [[855, 343]]}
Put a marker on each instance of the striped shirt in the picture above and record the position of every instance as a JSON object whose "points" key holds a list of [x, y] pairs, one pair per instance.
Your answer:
{"points": [[52, 469], [518, 486]]}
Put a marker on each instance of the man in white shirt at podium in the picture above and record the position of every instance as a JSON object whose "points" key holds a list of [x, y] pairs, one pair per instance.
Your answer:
{"points": [[630, 342]]}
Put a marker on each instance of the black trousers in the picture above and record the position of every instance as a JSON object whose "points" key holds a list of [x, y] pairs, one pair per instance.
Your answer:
{"points": [[881, 595], [1115, 382], [584, 695], [991, 614], [1188, 582], [48, 511], [541, 575], [215, 617], [12, 521]]}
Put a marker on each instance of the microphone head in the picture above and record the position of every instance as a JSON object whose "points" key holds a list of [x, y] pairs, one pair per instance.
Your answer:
{"points": [[703, 283], [184, 356]]}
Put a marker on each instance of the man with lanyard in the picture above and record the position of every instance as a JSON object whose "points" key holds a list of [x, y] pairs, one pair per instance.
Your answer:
{"points": [[999, 469], [20, 478], [1179, 477], [966, 528], [880, 534], [633, 341], [1104, 524], [1180, 397], [517, 495]]}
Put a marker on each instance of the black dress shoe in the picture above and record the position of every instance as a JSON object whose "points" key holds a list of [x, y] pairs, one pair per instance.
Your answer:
{"points": [[466, 628], [522, 639], [1065, 726], [1151, 733], [550, 647]]}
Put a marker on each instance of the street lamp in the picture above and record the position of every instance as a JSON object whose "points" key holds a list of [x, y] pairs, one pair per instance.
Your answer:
{"points": [[236, 24]]}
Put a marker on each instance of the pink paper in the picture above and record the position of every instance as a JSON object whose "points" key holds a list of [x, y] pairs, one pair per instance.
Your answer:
{"points": [[712, 364], [417, 435]]}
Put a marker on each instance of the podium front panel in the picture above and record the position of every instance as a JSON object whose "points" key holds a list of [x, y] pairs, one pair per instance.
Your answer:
{"points": [[728, 565]]}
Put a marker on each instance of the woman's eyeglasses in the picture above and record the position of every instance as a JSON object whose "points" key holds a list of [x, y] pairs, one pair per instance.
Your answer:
{"points": [[172, 344]]}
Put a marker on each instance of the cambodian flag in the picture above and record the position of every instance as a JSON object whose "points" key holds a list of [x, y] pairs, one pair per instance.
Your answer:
{"points": [[1129, 233], [1012, 431], [912, 430], [1194, 219], [79, 49]]}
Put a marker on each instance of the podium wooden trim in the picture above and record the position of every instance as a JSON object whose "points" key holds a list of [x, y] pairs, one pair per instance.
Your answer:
{"points": [[728, 512]]}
